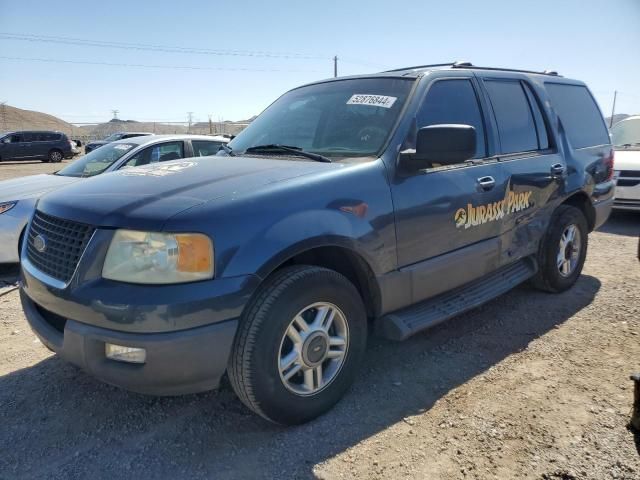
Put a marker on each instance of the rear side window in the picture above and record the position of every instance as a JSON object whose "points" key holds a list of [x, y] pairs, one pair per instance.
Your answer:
{"points": [[204, 148], [579, 115], [453, 101], [516, 126]]}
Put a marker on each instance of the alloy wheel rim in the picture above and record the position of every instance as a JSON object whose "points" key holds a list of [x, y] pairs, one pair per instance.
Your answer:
{"points": [[55, 156], [313, 349], [569, 250]]}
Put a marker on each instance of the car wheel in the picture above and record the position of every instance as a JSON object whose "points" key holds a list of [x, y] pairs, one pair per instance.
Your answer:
{"points": [[299, 344], [562, 250], [55, 156]]}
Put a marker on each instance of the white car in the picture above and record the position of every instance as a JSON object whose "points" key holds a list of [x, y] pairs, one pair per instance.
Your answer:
{"points": [[18, 196], [626, 138]]}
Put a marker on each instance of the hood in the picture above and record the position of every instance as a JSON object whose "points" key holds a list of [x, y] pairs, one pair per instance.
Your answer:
{"points": [[627, 160], [145, 197], [32, 186]]}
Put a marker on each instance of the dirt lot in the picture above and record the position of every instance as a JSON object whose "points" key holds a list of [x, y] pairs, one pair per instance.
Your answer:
{"points": [[529, 386]]}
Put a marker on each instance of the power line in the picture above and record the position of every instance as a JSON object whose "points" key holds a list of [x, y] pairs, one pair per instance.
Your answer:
{"points": [[154, 48], [171, 67]]}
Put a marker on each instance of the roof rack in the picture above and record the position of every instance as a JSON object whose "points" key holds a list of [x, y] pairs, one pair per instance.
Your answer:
{"points": [[465, 64], [499, 69]]}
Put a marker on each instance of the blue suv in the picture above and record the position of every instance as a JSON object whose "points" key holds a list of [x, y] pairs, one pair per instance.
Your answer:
{"points": [[386, 202]]}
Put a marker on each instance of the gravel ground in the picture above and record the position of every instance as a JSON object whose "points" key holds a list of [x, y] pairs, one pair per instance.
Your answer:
{"points": [[530, 385]]}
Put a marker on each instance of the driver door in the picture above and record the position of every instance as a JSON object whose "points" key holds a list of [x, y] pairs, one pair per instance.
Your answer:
{"points": [[447, 217]]}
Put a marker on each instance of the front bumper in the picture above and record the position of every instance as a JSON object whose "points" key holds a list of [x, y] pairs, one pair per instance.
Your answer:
{"points": [[627, 197], [185, 361]]}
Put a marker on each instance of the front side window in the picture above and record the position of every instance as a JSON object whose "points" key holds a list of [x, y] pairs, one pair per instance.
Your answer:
{"points": [[344, 118], [453, 102], [97, 161], [162, 152], [516, 126], [16, 138], [204, 148]]}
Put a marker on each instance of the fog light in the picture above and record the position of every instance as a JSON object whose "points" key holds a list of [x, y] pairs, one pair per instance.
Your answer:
{"points": [[121, 353]]}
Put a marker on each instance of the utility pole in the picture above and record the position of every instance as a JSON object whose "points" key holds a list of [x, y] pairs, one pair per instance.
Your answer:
{"points": [[335, 66], [210, 126], [3, 113], [115, 114], [613, 110], [190, 116]]}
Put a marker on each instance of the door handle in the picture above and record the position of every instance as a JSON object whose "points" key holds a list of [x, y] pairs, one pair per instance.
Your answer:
{"points": [[557, 169], [486, 183]]}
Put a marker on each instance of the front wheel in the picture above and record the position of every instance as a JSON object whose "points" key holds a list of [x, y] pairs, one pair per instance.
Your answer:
{"points": [[299, 344], [562, 250]]}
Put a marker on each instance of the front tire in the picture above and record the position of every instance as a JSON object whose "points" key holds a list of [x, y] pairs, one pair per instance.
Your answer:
{"points": [[299, 344], [562, 250]]}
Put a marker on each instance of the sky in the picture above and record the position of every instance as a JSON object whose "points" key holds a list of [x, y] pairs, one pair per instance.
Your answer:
{"points": [[255, 50]]}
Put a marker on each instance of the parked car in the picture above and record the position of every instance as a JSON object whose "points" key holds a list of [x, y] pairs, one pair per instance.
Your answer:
{"points": [[112, 138], [389, 201], [18, 196], [626, 138], [27, 145]]}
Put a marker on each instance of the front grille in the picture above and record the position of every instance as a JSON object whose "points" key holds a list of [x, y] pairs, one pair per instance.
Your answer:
{"points": [[626, 182], [64, 241], [630, 173]]}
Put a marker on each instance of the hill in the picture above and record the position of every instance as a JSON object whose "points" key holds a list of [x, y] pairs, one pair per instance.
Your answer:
{"points": [[12, 118]]}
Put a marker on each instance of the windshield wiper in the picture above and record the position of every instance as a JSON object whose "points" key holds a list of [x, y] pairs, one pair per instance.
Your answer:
{"points": [[228, 150], [276, 147]]}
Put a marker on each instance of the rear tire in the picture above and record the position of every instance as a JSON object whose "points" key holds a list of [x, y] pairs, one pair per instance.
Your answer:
{"points": [[285, 372], [562, 250], [55, 156]]}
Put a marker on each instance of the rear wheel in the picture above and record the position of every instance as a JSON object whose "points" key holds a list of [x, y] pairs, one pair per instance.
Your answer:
{"points": [[562, 251], [299, 344], [55, 156]]}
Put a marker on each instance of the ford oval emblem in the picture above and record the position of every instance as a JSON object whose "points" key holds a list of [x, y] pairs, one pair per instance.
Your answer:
{"points": [[40, 243]]}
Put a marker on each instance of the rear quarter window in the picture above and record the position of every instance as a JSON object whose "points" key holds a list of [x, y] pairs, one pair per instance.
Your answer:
{"points": [[579, 114]]}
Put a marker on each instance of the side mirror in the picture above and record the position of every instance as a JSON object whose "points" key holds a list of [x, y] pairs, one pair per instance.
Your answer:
{"points": [[445, 144]]}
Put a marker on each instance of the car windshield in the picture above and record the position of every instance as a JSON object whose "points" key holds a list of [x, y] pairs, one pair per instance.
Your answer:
{"points": [[113, 137], [346, 118], [626, 134], [97, 161]]}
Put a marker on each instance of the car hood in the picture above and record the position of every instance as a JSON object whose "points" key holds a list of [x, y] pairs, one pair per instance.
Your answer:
{"points": [[627, 160], [145, 197], [32, 186]]}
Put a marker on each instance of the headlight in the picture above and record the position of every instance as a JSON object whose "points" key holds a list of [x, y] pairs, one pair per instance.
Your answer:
{"points": [[158, 258], [5, 207]]}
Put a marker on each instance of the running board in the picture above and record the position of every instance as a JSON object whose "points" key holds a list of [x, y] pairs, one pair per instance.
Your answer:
{"points": [[401, 324]]}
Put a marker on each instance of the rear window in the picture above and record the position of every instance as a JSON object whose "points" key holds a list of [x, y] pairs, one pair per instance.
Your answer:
{"points": [[579, 114], [516, 125]]}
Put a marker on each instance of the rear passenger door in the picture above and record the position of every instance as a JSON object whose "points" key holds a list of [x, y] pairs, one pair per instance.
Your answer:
{"points": [[205, 148], [533, 167]]}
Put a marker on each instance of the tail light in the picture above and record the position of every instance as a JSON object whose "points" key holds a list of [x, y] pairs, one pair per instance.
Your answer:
{"points": [[608, 162]]}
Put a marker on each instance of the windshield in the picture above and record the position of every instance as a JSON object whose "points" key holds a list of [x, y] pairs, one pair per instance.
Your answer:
{"points": [[347, 118], [97, 161], [113, 137], [626, 133]]}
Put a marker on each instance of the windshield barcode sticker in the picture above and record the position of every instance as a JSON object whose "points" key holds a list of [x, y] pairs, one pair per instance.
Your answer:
{"points": [[373, 100]]}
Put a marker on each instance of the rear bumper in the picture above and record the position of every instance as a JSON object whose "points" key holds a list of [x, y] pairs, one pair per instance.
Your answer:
{"points": [[185, 361], [627, 197], [603, 210]]}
